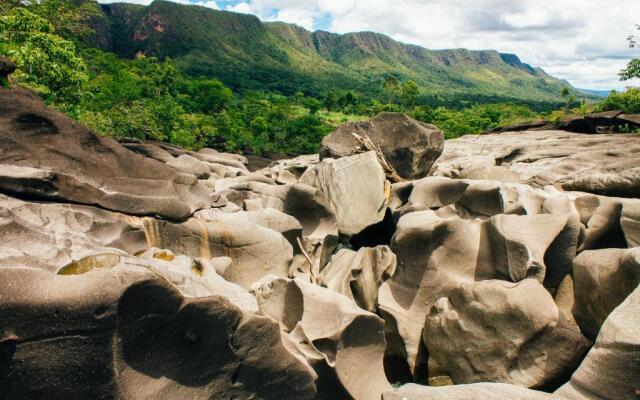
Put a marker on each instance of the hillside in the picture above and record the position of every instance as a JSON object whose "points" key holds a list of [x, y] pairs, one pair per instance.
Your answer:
{"points": [[246, 53]]}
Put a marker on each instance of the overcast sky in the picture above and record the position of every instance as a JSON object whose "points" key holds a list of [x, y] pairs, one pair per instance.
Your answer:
{"points": [[583, 41]]}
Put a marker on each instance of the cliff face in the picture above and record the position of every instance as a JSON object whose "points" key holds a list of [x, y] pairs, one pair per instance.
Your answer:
{"points": [[247, 53]]}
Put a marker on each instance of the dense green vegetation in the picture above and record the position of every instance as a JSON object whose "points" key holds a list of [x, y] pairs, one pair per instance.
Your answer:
{"points": [[55, 44], [248, 54]]}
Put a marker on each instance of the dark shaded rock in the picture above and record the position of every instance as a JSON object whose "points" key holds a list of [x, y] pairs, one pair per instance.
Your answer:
{"points": [[531, 126], [604, 122], [475, 391], [128, 333], [410, 146], [47, 155], [7, 67]]}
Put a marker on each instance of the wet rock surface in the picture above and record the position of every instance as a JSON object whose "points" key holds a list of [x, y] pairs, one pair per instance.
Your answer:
{"points": [[138, 269]]}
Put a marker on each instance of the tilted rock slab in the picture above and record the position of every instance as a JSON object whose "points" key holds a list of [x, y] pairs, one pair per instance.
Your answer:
{"points": [[331, 332], [611, 369], [496, 331], [47, 155], [354, 187], [128, 333], [602, 280], [410, 146]]}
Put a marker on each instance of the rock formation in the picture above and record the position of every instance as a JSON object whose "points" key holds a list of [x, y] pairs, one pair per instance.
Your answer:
{"points": [[410, 146], [136, 269], [597, 123]]}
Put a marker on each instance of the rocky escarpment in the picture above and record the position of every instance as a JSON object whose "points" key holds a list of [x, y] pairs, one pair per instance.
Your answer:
{"points": [[137, 269]]}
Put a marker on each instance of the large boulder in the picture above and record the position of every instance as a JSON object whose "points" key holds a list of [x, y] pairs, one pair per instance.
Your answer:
{"points": [[437, 253], [611, 370], [344, 343], [410, 146], [47, 155], [126, 332], [496, 331], [354, 187], [602, 280]]}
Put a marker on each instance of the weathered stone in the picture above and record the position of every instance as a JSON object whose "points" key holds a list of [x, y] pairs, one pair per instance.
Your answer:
{"points": [[190, 165], [47, 155], [354, 187], [436, 254], [611, 370], [474, 391], [496, 331], [126, 332], [604, 164], [329, 330], [602, 280], [410, 146], [358, 275], [630, 223]]}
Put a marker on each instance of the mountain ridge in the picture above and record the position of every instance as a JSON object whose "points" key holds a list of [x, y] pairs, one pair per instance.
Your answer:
{"points": [[247, 53]]}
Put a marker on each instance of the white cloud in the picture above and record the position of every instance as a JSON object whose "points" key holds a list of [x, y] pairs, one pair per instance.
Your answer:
{"points": [[244, 8], [205, 3], [579, 40]]}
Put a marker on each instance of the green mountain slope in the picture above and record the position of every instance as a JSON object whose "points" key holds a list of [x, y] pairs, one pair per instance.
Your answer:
{"points": [[246, 53]]}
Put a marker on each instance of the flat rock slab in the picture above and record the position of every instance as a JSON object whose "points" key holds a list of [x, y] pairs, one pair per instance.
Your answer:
{"points": [[605, 164]]}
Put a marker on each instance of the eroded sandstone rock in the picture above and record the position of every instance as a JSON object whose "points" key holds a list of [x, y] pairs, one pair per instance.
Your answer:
{"points": [[126, 332], [611, 369], [329, 330], [603, 164], [602, 280], [496, 331], [354, 188], [475, 391], [47, 155], [410, 146], [358, 275], [436, 254]]}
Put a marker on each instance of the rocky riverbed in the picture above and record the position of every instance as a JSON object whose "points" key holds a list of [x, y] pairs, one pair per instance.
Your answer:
{"points": [[506, 264]]}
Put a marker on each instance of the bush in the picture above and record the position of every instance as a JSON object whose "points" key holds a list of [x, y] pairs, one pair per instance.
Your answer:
{"points": [[628, 101]]}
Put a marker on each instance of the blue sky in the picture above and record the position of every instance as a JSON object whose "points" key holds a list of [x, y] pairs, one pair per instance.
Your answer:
{"points": [[583, 41]]}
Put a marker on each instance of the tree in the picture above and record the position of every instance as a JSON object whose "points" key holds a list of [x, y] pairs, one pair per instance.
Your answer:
{"points": [[409, 93], [46, 62], [69, 18], [313, 105], [331, 100], [391, 85], [7, 5], [209, 96], [633, 68], [569, 98]]}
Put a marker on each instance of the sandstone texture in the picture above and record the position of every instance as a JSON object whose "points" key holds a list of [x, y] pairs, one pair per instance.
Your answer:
{"points": [[506, 265], [410, 146]]}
